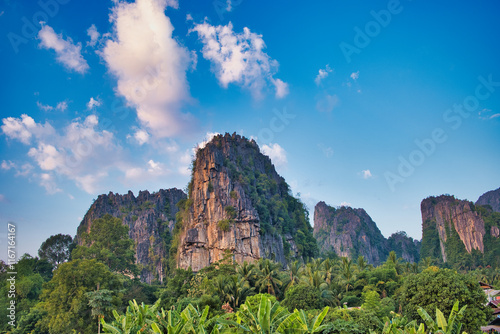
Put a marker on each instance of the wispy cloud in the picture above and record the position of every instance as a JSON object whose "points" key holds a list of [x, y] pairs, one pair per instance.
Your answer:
{"points": [[355, 75], [68, 54], [93, 103], [239, 58], [322, 74], [326, 102], [93, 34], [366, 174]]}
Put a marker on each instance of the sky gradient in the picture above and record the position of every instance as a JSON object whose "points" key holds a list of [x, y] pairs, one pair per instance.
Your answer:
{"points": [[373, 105]]}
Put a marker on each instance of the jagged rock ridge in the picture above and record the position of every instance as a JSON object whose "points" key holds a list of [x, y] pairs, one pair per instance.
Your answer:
{"points": [[239, 205], [349, 232], [149, 216], [491, 198]]}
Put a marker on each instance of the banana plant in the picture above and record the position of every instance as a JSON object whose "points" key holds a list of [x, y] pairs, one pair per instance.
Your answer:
{"points": [[400, 325], [137, 318], [306, 326], [440, 325], [269, 319]]}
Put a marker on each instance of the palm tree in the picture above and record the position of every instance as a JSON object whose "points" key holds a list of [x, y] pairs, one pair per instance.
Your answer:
{"points": [[347, 271], [237, 291], [246, 271], [362, 264], [220, 286], [293, 270], [268, 277]]}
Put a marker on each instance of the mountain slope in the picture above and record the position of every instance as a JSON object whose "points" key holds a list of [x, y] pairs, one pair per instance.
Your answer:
{"points": [[150, 218], [349, 232], [239, 206], [459, 232], [491, 198]]}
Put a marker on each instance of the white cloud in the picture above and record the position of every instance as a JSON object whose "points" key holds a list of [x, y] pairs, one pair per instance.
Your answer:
{"points": [[6, 165], [494, 116], [208, 138], [281, 88], [93, 34], [44, 107], [81, 153], [62, 106], [326, 103], [141, 136], [93, 103], [345, 204], [229, 5], [322, 74], [150, 65], [239, 58], [68, 54], [24, 170], [24, 128], [366, 174], [47, 181], [185, 167], [153, 169], [276, 153], [355, 75]]}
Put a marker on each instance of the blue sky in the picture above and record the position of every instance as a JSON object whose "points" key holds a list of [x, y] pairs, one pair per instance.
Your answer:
{"points": [[374, 105]]}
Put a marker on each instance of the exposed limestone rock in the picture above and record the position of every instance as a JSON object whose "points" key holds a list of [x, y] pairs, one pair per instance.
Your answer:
{"points": [[222, 215], [349, 232], [446, 214], [491, 198], [148, 216]]}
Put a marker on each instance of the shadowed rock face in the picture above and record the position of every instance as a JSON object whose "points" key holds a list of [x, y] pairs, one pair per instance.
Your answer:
{"points": [[349, 233], [149, 216], [445, 214], [222, 216], [491, 198]]}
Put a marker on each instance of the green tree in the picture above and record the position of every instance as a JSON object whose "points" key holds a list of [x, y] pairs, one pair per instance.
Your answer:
{"points": [[302, 297], [109, 243], [100, 302], [56, 249], [267, 274], [32, 273], [64, 297], [439, 288]]}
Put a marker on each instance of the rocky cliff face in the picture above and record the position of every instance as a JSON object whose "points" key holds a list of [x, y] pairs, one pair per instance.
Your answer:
{"points": [[349, 232], [444, 216], [491, 198], [150, 218], [239, 206], [405, 247]]}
